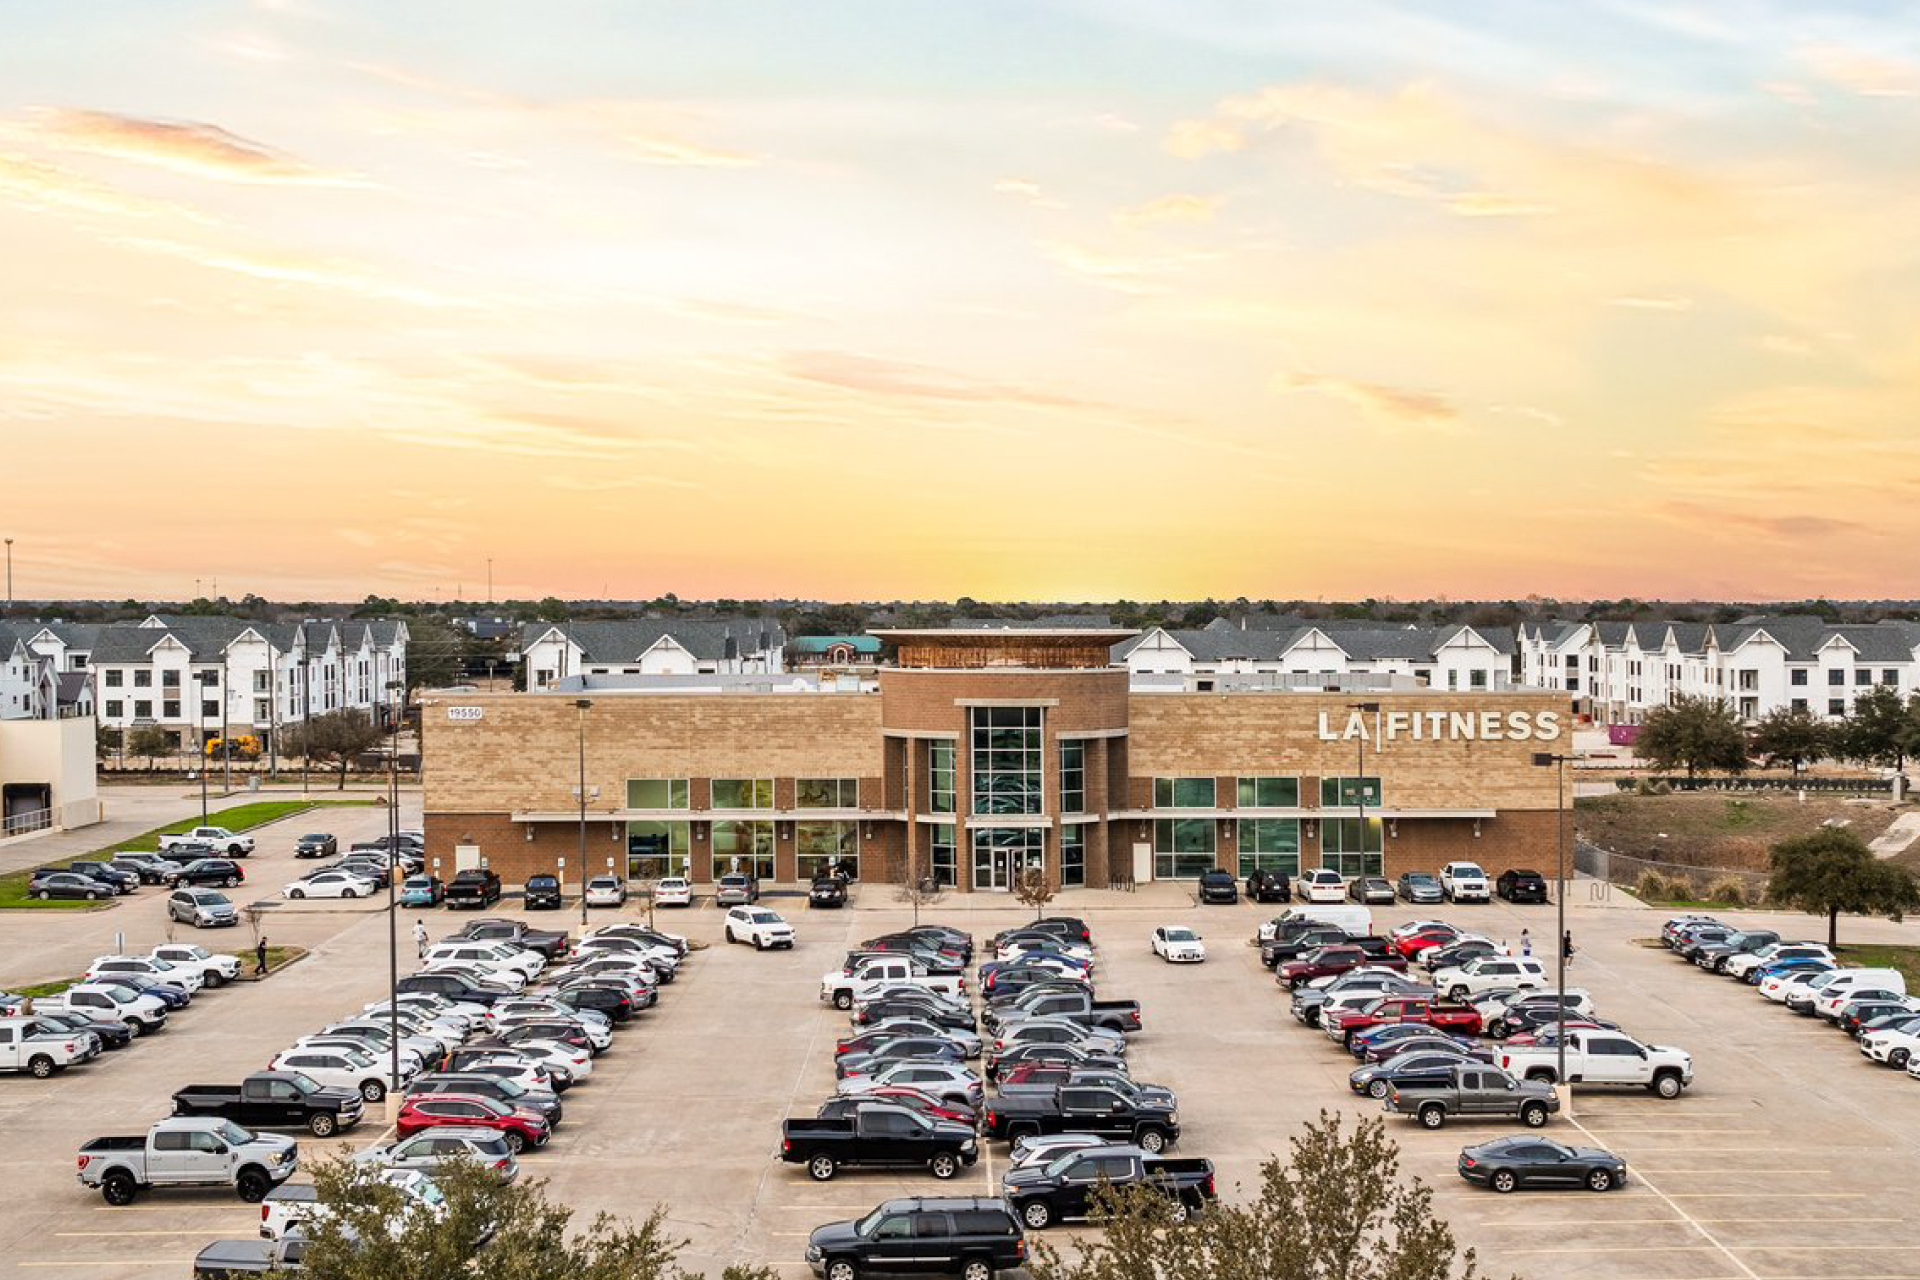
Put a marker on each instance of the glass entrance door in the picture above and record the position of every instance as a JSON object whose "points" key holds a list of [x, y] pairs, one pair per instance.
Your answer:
{"points": [[1002, 854]]}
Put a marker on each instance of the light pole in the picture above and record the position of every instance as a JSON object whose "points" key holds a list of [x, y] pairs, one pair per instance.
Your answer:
{"points": [[9, 575], [1558, 762], [581, 705], [1360, 784], [393, 909]]}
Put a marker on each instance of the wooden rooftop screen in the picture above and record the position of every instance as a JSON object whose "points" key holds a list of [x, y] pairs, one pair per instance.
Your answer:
{"points": [[968, 649]]}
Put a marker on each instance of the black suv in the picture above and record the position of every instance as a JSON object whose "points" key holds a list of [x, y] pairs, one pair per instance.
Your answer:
{"points": [[543, 893], [1269, 886], [827, 891], [971, 1237], [220, 871], [1218, 886], [1521, 886]]}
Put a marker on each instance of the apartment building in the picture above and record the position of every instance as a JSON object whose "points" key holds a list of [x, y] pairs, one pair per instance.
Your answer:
{"points": [[1616, 672], [553, 651], [196, 678], [1298, 652]]}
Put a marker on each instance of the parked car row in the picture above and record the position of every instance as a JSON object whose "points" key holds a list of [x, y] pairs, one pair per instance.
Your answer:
{"points": [[119, 999], [1871, 1005], [1456, 882]]}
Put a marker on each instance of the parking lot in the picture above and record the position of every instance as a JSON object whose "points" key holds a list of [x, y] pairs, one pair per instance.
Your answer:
{"points": [[1789, 1157]]}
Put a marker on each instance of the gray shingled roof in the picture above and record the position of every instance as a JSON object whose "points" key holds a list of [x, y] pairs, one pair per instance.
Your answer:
{"points": [[708, 639], [1362, 642]]}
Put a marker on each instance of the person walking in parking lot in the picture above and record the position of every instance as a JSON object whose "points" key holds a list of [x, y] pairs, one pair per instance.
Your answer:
{"points": [[1526, 944], [420, 938], [1566, 946], [260, 955]]}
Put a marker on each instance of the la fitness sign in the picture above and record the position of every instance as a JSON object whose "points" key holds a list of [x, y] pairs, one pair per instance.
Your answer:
{"points": [[1445, 726]]}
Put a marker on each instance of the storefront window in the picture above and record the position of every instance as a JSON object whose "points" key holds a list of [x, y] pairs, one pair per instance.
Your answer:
{"points": [[744, 848], [1268, 844], [1182, 847], [1073, 855], [1007, 771], [826, 793], [825, 847], [1268, 793], [657, 849], [656, 793], [945, 853], [1001, 855], [1345, 792], [743, 793], [1183, 793], [940, 783], [1351, 847], [1073, 776]]}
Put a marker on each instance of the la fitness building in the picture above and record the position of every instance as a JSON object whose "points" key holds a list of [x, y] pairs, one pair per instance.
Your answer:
{"points": [[979, 754]]}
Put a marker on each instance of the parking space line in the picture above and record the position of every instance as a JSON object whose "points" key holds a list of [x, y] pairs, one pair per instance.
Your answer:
{"points": [[1707, 1235], [185, 1231]]}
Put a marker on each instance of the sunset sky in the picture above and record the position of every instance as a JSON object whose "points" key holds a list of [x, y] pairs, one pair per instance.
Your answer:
{"points": [[1068, 300]]}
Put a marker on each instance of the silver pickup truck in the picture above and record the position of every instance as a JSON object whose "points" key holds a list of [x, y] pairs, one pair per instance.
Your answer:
{"points": [[1470, 1091], [187, 1152]]}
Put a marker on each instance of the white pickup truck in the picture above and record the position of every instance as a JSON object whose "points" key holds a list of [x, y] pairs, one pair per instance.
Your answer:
{"points": [[187, 1152], [41, 1050], [143, 1014], [220, 839], [1603, 1057], [1464, 882], [842, 987]]}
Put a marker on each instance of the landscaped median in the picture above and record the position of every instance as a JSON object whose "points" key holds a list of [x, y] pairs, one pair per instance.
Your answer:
{"points": [[237, 818], [278, 958]]}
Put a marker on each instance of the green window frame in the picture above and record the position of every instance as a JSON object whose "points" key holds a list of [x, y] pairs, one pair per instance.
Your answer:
{"points": [[1073, 776], [1340, 792], [942, 788], [826, 793], [818, 845], [1351, 847], [657, 793], [1268, 844], [656, 850], [1267, 793], [945, 849], [1183, 793], [1073, 855], [742, 793], [1183, 848], [748, 839]]}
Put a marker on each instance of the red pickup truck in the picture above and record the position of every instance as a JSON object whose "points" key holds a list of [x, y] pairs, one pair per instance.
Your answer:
{"points": [[1332, 959], [1388, 1010]]}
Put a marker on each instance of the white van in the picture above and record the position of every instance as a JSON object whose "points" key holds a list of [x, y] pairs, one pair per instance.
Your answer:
{"points": [[1357, 921], [1841, 983]]}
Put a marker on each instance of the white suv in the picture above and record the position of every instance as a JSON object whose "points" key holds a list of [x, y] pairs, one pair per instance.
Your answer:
{"points": [[1464, 882], [761, 927], [1321, 885], [218, 970], [1489, 972], [674, 891]]}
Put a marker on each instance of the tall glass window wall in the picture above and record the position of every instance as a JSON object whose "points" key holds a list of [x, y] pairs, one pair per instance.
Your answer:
{"points": [[1073, 855], [940, 777], [1002, 854], [658, 849], [1351, 847], [1073, 776], [946, 858], [1182, 847], [1269, 844], [743, 847], [1008, 769], [824, 847]]}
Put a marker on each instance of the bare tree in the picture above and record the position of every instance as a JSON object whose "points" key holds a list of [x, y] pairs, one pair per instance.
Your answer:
{"points": [[1034, 890]]}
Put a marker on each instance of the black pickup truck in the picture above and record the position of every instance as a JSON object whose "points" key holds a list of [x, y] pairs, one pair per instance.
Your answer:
{"points": [[273, 1100], [550, 943], [1042, 1194], [1150, 1125], [881, 1134], [1112, 1015], [1291, 943], [473, 889]]}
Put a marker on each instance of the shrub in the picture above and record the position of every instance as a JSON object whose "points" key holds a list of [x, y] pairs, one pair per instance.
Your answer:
{"points": [[1652, 884], [1662, 788], [1728, 889]]}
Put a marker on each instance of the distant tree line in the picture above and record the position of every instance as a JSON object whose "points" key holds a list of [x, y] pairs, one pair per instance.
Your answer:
{"points": [[1703, 734]]}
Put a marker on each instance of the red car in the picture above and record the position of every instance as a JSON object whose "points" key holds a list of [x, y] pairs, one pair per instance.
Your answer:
{"points": [[1321, 962], [522, 1129], [925, 1103], [1412, 944], [1427, 1011]]}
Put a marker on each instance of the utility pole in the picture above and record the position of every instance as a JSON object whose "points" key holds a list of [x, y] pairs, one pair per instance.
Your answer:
{"points": [[489, 577], [1360, 784], [581, 704], [10, 574], [1558, 762], [393, 911]]}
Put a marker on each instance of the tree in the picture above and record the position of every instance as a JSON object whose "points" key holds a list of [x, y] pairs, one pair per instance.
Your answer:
{"points": [[915, 890], [1832, 870], [336, 737], [1790, 736], [370, 1232], [149, 742], [1695, 733], [1337, 1210], [436, 654], [1882, 730], [553, 609], [1033, 889]]}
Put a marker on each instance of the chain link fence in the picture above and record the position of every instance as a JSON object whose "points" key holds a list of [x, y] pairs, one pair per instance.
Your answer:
{"points": [[1650, 878]]}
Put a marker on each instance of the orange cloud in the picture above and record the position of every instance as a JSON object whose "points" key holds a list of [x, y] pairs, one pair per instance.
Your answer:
{"points": [[1398, 406], [1173, 208], [204, 150], [875, 376]]}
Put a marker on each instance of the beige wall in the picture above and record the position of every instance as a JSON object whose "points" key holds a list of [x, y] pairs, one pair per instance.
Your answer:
{"points": [[1221, 735], [58, 753], [522, 754]]}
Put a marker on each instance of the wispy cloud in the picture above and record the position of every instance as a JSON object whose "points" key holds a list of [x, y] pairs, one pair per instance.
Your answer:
{"points": [[1173, 208], [1652, 302], [203, 150], [1389, 405], [1871, 75], [873, 375]]}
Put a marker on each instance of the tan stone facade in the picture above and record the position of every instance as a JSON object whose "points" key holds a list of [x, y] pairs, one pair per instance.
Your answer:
{"points": [[1455, 769]]}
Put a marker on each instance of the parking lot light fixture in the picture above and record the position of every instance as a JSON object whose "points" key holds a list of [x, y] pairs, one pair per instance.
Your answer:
{"points": [[1360, 783], [581, 705], [397, 690], [1558, 762]]}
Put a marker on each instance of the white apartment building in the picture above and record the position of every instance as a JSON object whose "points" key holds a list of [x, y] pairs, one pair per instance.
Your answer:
{"points": [[29, 685], [198, 678], [552, 651], [1618, 671], [1293, 650]]}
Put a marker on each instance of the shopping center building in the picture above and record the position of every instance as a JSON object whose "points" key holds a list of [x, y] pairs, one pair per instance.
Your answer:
{"points": [[979, 753]]}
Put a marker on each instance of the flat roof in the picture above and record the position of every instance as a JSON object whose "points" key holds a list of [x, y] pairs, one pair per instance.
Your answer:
{"points": [[1025, 633]]}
